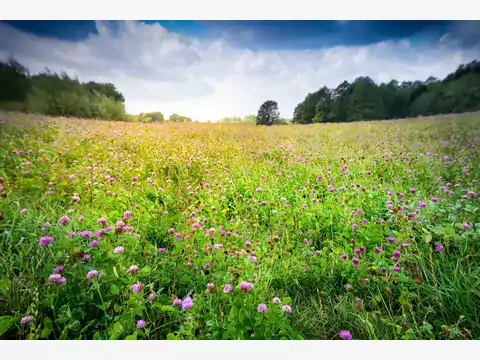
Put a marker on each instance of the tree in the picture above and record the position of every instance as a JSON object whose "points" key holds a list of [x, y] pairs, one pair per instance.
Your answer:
{"points": [[268, 113]]}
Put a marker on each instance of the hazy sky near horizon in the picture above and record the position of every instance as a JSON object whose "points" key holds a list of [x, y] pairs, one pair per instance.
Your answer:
{"points": [[212, 69]]}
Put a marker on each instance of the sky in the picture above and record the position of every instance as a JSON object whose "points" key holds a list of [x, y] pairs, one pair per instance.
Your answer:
{"points": [[208, 70]]}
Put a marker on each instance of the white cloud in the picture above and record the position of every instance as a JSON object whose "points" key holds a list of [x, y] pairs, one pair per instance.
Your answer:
{"points": [[159, 70]]}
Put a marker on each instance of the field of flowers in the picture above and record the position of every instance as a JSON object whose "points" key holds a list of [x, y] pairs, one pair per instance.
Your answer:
{"points": [[206, 231]]}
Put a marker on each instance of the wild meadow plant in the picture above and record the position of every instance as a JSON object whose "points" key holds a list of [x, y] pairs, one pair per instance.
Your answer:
{"points": [[223, 231]]}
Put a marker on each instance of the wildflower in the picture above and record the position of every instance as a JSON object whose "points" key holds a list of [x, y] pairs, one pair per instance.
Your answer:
{"points": [[206, 266], [134, 178], [344, 256], [118, 250], [357, 251], [286, 309], [23, 210], [75, 198], [57, 279], [177, 302], [227, 288], [26, 319], [396, 269], [187, 303], [210, 286], [86, 234], [133, 269], [99, 233], [171, 231], [58, 269], [102, 221], [391, 239], [44, 240], [162, 250], [137, 287], [434, 199], [141, 324], [92, 274], [358, 299], [120, 224], [377, 249], [439, 248], [246, 286], [151, 296], [413, 190], [276, 300], [422, 204], [262, 308], [396, 253], [354, 227], [86, 257], [355, 260], [466, 226], [127, 214], [63, 220], [258, 190], [93, 243], [248, 244], [349, 287], [345, 335]]}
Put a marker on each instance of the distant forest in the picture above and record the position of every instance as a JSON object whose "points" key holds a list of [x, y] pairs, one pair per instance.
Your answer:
{"points": [[363, 99], [55, 94]]}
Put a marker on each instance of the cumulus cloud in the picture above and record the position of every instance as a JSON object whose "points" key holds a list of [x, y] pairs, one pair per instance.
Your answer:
{"points": [[158, 70]]}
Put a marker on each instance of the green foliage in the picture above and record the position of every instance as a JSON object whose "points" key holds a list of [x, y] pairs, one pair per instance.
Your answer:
{"points": [[175, 118], [54, 94], [268, 113], [364, 100]]}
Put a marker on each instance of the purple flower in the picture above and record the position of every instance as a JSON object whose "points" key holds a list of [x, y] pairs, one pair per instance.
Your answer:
{"points": [[58, 269], [358, 299], [439, 248], [396, 253], [137, 287], [349, 287], [23, 211], [227, 288], [177, 302], [286, 309], [92, 274], [276, 300], [162, 250], [57, 279], [63, 220], [133, 269], [357, 251], [344, 256], [258, 190], [127, 214], [246, 286], [466, 226], [262, 308], [413, 190], [44, 240], [355, 260], [396, 268], [141, 324], [171, 231], [118, 250], [120, 224], [26, 319], [102, 221], [391, 239], [422, 204], [86, 234], [75, 198], [93, 243], [354, 226], [187, 303], [434, 199], [248, 244], [377, 249], [345, 335]]}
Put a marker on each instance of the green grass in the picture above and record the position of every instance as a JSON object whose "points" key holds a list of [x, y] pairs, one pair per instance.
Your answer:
{"points": [[195, 175]]}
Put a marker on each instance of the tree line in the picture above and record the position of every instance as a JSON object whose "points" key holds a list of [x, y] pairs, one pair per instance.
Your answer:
{"points": [[53, 94], [363, 99]]}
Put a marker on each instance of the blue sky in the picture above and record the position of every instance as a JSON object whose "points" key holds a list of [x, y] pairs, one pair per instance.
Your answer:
{"points": [[273, 34], [212, 69]]}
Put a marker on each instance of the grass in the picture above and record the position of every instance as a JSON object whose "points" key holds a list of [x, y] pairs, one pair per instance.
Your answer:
{"points": [[311, 215]]}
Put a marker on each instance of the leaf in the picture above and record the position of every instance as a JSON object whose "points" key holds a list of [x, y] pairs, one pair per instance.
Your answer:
{"points": [[5, 323], [428, 238], [115, 272], [75, 326], [114, 290], [131, 337], [97, 336], [5, 284], [146, 271], [286, 301], [171, 336], [167, 308]]}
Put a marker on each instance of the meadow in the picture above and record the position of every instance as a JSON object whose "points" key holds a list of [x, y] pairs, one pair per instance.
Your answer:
{"points": [[366, 230]]}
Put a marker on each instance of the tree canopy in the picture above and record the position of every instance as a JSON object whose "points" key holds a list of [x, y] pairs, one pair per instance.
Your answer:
{"points": [[268, 113], [363, 99]]}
